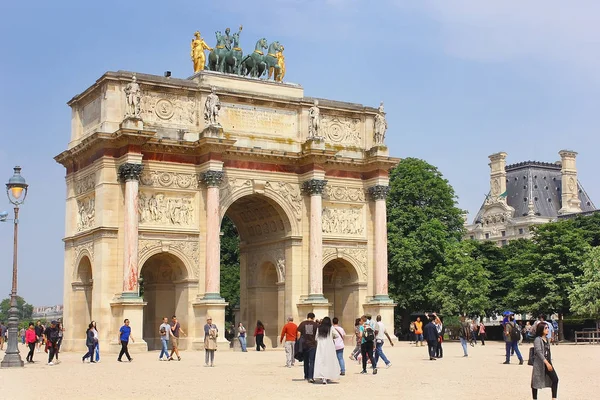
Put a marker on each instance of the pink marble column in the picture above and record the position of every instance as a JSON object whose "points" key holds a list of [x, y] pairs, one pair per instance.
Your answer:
{"points": [[314, 188], [130, 174], [378, 194], [213, 180]]}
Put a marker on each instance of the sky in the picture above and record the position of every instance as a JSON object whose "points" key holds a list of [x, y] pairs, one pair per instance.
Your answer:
{"points": [[461, 79]]}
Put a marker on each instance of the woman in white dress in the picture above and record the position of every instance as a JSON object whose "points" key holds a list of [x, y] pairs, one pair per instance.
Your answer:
{"points": [[326, 363]]}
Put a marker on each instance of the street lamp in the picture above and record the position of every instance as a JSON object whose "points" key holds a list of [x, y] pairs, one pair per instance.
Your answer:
{"points": [[16, 189]]}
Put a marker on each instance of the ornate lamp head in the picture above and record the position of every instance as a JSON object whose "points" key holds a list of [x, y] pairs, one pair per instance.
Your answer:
{"points": [[16, 188]]}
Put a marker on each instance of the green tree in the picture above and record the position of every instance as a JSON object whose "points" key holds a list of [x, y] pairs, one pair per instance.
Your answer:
{"points": [[422, 220], [554, 262], [25, 310], [461, 284], [590, 227], [230, 267], [585, 295]]}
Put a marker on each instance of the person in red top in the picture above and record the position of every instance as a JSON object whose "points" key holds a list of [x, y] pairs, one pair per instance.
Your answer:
{"points": [[289, 333], [259, 335], [31, 339]]}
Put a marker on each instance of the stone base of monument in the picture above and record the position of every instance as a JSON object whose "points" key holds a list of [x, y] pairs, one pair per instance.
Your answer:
{"points": [[215, 308], [212, 131], [318, 305], [314, 143], [384, 306], [133, 123], [378, 150]]}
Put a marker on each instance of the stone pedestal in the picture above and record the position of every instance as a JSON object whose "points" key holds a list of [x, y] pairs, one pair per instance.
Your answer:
{"points": [[132, 123], [385, 309], [319, 308], [132, 308], [214, 309], [314, 143], [213, 131]]}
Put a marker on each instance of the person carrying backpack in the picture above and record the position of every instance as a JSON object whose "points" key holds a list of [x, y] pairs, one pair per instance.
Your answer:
{"points": [[512, 335], [367, 334]]}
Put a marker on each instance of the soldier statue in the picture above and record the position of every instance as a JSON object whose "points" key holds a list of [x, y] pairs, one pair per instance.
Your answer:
{"points": [[212, 108], [314, 116], [380, 126], [134, 96]]}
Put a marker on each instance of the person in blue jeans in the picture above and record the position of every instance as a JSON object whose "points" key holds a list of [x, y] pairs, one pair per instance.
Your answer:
{"points": [[463, 334], [242, 336], [165, 333], [306, 333], [511, 337], [339, 344], [124, 336], [379, 341]]}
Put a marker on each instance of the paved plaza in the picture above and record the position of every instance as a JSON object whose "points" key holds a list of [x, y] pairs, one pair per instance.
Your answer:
{"points": [[262, 375]]}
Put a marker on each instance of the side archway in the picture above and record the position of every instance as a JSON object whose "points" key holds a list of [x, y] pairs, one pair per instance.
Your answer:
{"points": [[82, 287], [341, 288]]}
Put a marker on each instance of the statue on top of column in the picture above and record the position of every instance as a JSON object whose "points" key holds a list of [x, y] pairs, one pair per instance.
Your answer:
{"points": [[212, 106], [133, 95], [380, 126], [314, 116], [197, 53]]}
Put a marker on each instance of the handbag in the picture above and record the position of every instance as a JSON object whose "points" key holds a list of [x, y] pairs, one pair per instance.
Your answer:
{"points": [[531, 356]]}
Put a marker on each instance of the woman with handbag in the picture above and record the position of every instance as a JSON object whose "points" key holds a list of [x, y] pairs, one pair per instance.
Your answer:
{"points": [[543, 374], [211, 332]]}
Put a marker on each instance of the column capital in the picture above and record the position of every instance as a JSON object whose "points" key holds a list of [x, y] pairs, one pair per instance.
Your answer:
{"points": [[130, 172], [212, 178], [314, 187], [379, 192]]}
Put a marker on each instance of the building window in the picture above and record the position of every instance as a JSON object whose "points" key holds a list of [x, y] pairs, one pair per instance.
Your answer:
{"points": [[504, 243], [520, 231], [487, 235], [503, 233]]}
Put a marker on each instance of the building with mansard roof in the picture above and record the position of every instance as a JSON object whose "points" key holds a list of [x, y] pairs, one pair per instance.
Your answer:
{"points": [[526, 194]]}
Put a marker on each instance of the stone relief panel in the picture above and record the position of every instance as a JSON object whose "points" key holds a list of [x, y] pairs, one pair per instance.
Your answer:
{"points": [[343, 221], [231, 185], [291, 193], [165, 179], [166, 209], [168, 109], [90, 115], [344, 193], [85, 184], [256, 259], [86, 213], [341, 130], [358, 257], [80, 248], [262, 120], [189, 248]]}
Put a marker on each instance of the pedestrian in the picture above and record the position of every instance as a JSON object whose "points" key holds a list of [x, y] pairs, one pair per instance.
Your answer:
{"points": [[90, 343], [339, 345], [356, 351], [289, 333], [124, 336], [412, 339], [61, 329], [473, 327], [306, 335], [242, 336], [543, 374], [367, 334], [97, 342], [164, 331], [3, 331], [51, 338], [231, 335], [379, 341], [211, 332], [512, 335], [463, 334], [419, 332], [259, 335], [326, 366], [31, 340], [439, 352], [175, 332], [39, 333], [528, 333], [482, 333], [554, 331], [431, 336], [22, 335]]}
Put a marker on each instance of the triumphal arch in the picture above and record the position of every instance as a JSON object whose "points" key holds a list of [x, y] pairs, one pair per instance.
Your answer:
{"points": [[155, 163]]}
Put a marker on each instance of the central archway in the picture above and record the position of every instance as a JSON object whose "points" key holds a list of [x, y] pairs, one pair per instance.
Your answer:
{"points": [[165, 293], [264, 251]]}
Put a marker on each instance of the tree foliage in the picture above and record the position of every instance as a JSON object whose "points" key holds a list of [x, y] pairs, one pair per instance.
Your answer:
{"points": [[230, 267], [25, 309], [585, 295]]}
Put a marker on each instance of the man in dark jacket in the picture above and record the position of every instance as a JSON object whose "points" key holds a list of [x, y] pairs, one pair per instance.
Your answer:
{"points": [[431, 336], [51, 335]]}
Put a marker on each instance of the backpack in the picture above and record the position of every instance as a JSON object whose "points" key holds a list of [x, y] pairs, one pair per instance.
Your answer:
{"points": [[515, 333], [369, 334]]}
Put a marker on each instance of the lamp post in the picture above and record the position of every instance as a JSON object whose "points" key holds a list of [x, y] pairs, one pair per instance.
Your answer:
{"points": [[16, 189]]}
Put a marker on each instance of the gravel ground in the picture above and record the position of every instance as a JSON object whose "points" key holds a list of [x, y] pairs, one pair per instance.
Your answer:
{"points": [[255, 375]]}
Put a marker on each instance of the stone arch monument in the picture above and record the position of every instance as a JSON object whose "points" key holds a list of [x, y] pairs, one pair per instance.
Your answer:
{"points": [[153, 166]]}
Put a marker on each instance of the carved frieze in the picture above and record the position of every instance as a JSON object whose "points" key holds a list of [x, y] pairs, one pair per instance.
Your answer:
{"points": [[189, 248], [165, 179], [291, 193], [79, 249], [86, 213], [341, 130], [344, 193], [85, 184], [165, 209], [168, 109], [256, 259], [357, 256], [231, 185], [343, 221]]}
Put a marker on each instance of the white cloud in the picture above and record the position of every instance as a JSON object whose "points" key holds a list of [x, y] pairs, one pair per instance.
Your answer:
{"points": [[564, 33]]}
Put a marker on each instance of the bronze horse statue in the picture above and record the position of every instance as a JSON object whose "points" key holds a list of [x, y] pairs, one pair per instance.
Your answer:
{"points": [[250, 63]]}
